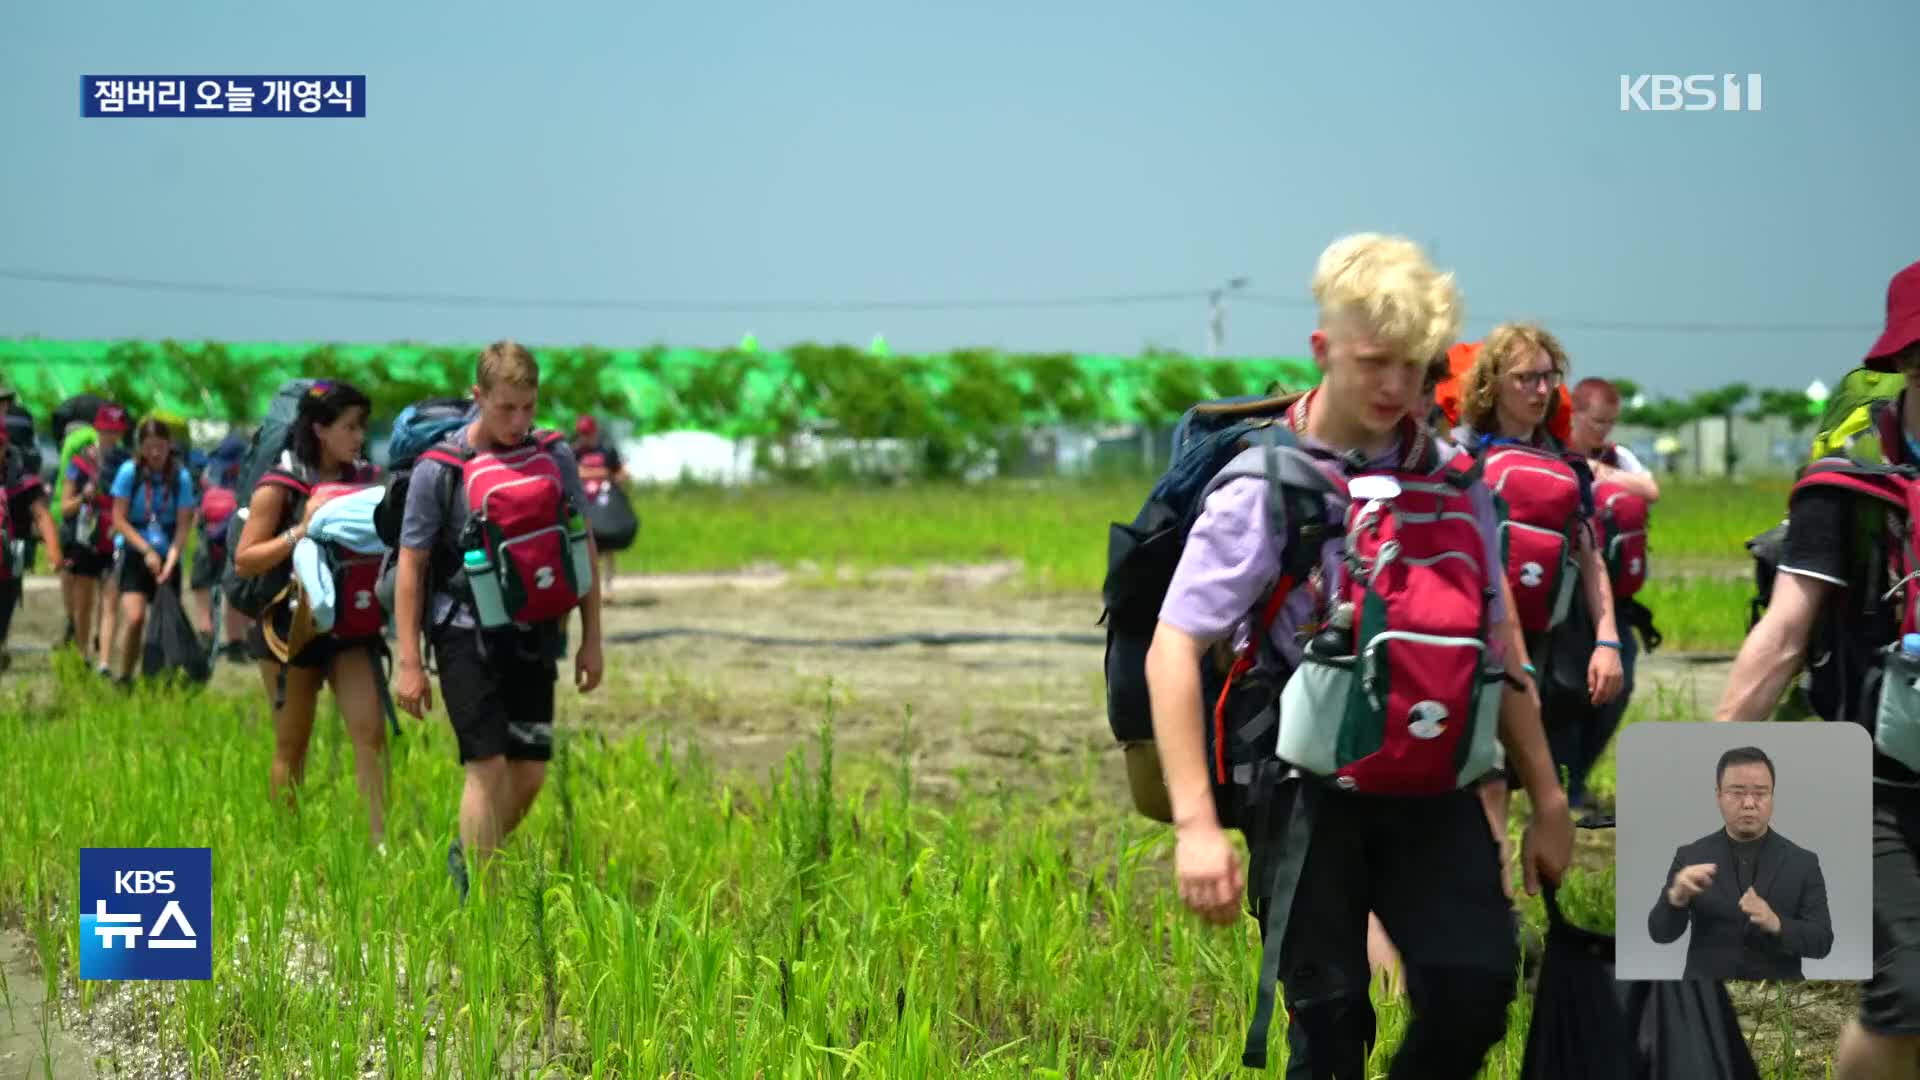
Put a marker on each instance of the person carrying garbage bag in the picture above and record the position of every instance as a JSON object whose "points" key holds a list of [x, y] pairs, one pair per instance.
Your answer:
{"points": [[1365, 797]]}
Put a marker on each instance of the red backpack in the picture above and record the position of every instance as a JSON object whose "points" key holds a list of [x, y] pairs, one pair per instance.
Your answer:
{"points": [[217, 506], [1398, 697], [1542, 495], [357, 610], [1893, 577], [1623, 534], [13, 547], [356, 607], [522, 523], [1395, 694], [594, 474]]}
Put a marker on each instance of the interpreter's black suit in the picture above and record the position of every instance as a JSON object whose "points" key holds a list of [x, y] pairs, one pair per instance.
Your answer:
{"points": [[1725, 943]]}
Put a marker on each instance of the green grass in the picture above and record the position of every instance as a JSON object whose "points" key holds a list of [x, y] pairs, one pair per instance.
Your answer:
{"points": [[1058, 528], [1700, 613], [655, 918]]}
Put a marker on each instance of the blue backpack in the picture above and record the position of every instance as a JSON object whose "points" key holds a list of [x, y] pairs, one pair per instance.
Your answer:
{"points": [[1143, 554], [419, 426]]}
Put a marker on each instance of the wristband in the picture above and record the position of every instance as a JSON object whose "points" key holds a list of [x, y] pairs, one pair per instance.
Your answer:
{"points": [[1614, 645], [1528, 668]]}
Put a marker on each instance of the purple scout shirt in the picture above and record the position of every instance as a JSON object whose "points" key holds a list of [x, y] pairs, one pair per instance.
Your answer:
{"points": [[1232, 560]]}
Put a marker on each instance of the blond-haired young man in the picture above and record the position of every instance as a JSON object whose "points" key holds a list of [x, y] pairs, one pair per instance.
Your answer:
{"points": [[1427, 865]]}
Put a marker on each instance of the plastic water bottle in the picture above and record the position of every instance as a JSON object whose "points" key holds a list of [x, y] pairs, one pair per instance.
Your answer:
{"points": [[484, 580], [1910, 644], [577, 549], [83, 525], [1336, 637]]}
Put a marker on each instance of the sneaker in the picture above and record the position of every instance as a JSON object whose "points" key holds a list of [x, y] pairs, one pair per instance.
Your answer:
{"points": [[457, 869]]}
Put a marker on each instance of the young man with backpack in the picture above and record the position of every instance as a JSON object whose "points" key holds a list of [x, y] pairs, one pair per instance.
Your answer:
{"points": [[1845, 590], [494, 557], [604, 478], [86, 513], [1624, 491], [153, 510], [1356, 528]]}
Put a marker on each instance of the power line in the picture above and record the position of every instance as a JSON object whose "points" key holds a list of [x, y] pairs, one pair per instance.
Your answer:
{"points": [[1633, 325], [728, 307], [742, 307]]}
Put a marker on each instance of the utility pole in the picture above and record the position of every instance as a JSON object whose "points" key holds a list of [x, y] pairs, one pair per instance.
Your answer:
{"points": [[1217, 314]]}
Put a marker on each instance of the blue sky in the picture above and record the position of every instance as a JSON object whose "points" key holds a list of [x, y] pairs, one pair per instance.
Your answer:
{"points": [[870, 151]]}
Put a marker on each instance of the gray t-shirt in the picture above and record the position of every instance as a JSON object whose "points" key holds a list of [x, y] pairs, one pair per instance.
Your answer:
{"points": [[422, 524]]}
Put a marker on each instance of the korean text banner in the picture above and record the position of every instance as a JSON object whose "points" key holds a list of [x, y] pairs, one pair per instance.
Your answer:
{"points": [[307, 96]]}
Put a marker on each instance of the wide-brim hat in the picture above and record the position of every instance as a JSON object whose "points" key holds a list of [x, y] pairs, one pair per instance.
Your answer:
{"points": [[287, 623], [1903, 319]]}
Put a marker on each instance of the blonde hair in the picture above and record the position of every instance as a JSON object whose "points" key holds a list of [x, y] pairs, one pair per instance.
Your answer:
{"points": [[507, 363], [1507, 346], [1387, 284]]}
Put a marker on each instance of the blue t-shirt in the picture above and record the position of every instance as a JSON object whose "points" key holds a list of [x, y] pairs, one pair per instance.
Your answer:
{"points": [[154, 508]]}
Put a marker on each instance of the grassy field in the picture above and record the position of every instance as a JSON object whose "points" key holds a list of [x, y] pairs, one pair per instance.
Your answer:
{"points": [[662, 915], [658, 918], [1058, 532]]}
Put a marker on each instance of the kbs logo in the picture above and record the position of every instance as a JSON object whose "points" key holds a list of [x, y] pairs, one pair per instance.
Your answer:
{"points": [[146, 913], [1689, 93]]}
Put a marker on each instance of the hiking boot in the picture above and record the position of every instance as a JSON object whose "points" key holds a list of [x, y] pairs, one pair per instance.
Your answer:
{"points": [[457, 869]]}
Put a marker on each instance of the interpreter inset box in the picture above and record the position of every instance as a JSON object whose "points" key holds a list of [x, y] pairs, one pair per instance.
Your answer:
{"points": [[1743, 851]]}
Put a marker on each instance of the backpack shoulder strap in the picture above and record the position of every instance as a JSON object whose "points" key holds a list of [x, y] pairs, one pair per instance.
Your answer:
{"points": [[453, 456], [1887, 485], [295, 481], [546, 439]]}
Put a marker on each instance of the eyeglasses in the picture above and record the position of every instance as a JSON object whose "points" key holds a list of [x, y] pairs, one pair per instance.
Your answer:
{"points": [[1525, 379], [1742, 794]]}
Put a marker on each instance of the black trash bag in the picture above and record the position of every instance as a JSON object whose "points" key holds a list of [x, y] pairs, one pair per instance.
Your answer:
{"points": [[1686, 1027], [1587, 1025], [611, 516], [172, 644], [1563, 689], [1578, 1031]]}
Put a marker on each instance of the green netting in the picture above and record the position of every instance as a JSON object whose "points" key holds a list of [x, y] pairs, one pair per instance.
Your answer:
{"points": [[732, 392]]}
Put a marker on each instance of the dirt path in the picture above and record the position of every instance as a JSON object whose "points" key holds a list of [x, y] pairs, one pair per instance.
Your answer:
{"points": [[1019, 709], [29, 1043]]}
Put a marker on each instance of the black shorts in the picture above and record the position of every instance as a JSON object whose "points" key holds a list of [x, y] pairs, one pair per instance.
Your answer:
{"points": [[499, 695], [208, 563], [318, 654], [1428, 866], [87, 562], [1890, 1001], [134, 577]]}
